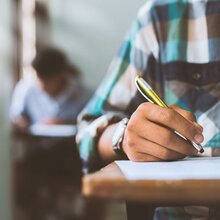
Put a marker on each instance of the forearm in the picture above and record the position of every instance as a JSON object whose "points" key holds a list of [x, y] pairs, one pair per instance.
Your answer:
{"points": [[58, 121], [105, 149], [20, 122]]}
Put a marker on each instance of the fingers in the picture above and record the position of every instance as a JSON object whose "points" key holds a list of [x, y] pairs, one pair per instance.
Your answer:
{"points": [[158, 151], [150, 134], [162, 137], [188, 115], [171, 119], [141, 149], [142, 157], [198, 126]]}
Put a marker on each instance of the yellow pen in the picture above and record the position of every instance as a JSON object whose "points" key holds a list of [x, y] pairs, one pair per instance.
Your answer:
{"points": [[145, 89]]}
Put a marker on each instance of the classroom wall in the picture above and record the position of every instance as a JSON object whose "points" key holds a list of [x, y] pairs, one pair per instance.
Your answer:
{"points": [[5, 88], [91, 31]]}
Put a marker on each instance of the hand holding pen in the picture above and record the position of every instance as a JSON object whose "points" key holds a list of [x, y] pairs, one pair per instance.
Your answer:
{"points": [[150, 135], [145, 89]]}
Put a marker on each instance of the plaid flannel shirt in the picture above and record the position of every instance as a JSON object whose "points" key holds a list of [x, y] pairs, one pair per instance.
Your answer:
{"points": [[175, 46]]}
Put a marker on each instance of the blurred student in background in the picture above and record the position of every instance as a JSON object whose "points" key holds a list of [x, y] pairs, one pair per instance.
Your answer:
{"points": [[55, 96]]}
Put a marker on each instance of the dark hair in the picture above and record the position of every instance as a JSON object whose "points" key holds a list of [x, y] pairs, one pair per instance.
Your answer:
{"points": [[51, 62]]}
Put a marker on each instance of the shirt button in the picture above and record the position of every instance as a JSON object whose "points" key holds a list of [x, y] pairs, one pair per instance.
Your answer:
{"points": [[196, 76]]}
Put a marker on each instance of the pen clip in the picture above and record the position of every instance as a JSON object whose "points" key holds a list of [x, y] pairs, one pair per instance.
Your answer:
{"points": [[139, 89]]}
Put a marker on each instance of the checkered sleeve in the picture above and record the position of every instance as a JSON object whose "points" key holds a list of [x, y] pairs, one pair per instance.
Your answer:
{"points": [[116, 91]]}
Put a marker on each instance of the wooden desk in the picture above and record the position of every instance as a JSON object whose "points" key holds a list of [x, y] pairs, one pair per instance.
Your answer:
{"points": [[109, 183]]}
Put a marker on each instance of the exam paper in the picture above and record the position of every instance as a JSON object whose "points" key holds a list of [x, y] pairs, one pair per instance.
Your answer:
{"points": [[53, 130], [189, 168]]}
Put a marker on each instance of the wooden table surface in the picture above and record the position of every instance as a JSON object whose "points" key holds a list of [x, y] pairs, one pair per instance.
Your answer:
{"points": [[109, 183]]}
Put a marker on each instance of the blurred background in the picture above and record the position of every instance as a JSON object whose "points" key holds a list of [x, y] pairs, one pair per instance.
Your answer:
{"points": [[40, 172]]}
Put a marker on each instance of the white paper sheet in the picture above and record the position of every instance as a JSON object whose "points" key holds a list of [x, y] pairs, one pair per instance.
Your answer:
{"points": [[189, 168], [53, 130]]}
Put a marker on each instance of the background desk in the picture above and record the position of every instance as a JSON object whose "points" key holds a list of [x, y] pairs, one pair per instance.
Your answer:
{"points": [[109, 183], [46, 174]]}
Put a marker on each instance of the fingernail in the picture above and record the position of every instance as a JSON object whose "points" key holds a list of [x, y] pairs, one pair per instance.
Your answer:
{"points": [[199, 138]]}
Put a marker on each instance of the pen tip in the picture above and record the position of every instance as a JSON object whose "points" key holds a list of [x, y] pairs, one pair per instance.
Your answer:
{"points": [[201, 151]]}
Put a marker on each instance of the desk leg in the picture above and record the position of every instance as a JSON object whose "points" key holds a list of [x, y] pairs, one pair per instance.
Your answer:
{"points": [[139, 211]]}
